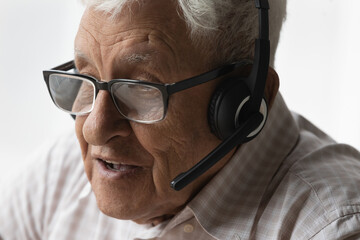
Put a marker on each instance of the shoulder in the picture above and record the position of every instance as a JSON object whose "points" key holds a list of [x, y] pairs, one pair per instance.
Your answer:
{"points": [[49, 179], [317, 189], [328, 181], [331, 170]]}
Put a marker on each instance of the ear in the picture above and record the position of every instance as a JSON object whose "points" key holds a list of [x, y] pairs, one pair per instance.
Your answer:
{"points": [[272, 86]]}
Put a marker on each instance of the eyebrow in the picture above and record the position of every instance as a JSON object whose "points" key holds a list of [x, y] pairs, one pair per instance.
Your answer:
{"points": [[133, 58], [79, 54], [138, 58]]}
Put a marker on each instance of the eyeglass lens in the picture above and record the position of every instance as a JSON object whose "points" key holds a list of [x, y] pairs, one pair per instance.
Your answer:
{"points": [[72, 94], [138, 102]]}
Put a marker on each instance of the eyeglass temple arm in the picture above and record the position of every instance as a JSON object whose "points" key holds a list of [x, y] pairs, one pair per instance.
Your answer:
{"points": [[205, 77], [66, 66]]}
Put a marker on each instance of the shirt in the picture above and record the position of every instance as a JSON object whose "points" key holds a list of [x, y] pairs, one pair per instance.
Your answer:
{"points": [[290, 182]]}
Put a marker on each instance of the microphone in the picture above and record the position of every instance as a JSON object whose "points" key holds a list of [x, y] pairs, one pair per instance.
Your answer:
{"points": [[238, 137]]}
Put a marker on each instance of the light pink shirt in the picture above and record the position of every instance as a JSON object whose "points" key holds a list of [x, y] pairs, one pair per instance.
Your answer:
{"points": [[291, 182]]}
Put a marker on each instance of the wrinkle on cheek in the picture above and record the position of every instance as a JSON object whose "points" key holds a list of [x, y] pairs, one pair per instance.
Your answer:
{"points": [[179, 145], [79, 123], [176, 158], [87, 127], [167, 161], [84, 147]]}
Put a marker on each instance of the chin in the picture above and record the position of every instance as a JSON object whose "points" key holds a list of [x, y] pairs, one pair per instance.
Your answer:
{"points": [[123, 201], [121, 207]]}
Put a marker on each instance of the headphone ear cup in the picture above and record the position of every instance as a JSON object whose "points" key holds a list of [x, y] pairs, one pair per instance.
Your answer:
{"points": [[224, 106]]}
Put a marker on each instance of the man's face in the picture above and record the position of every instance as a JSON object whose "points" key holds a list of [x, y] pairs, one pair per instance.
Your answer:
{"points": [[150, 44]]}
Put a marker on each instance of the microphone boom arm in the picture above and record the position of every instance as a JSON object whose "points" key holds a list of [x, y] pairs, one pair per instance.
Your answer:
{"points": [[239, 136]]}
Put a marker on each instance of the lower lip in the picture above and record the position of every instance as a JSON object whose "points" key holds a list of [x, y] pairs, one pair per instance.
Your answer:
{"points": [[111, 174]]}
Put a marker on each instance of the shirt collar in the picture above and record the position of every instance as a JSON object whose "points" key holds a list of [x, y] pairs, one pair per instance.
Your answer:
{"points": [[229, 203]]}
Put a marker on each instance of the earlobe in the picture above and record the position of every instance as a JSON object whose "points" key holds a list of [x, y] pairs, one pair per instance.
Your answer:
{"points": [[272, 86]]}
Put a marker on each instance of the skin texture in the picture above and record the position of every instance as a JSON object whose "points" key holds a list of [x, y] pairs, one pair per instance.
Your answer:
{"points": [[149, 43]]}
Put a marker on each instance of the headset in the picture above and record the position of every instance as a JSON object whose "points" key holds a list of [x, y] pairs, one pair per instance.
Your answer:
{"points": [[238, 110]]}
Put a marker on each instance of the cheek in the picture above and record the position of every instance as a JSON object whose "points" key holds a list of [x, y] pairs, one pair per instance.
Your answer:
{"points": [[174, 143], [79, 123]]}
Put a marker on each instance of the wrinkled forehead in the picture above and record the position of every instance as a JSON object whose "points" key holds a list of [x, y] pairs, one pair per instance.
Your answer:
{"points": [[149, 16], [151, 33]]}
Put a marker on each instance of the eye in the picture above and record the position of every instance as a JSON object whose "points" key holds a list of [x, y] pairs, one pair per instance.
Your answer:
{"points": [[143, 90], [85, 93]]}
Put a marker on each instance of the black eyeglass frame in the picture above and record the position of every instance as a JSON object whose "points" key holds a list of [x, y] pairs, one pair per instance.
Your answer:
{"points": [[166, 89]]}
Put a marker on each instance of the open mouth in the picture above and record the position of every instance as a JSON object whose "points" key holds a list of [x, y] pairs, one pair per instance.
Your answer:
{"points": [[118, 167]]}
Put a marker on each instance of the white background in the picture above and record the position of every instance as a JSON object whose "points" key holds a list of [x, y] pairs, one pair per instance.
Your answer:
{"points": [[317, 61]]}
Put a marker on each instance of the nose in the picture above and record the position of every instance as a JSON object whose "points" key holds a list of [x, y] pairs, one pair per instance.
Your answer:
{"points": [[104, 122]]}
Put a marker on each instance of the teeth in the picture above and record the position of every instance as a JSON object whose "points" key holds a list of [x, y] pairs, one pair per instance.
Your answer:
{"points": [[119, 167], [113, 162]]}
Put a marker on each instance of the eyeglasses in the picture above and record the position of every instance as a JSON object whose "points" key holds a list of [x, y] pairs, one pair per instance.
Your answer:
{"points": [[136, 100]]}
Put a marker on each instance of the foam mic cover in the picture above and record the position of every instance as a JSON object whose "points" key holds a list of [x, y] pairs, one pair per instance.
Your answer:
{"points": [[239, 136]]}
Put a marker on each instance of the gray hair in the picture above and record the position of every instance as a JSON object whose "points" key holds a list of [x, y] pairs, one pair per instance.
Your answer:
{"points": [[232, 25]]}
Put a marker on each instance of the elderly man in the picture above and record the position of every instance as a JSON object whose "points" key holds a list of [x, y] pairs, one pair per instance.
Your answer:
{"points": [[153, 86]]}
